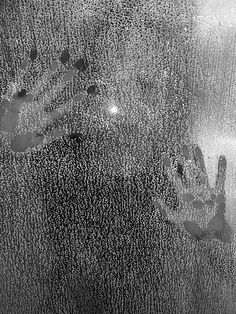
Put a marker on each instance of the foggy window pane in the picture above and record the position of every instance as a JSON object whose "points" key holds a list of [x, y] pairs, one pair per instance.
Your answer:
{"points": [[113, 118]]}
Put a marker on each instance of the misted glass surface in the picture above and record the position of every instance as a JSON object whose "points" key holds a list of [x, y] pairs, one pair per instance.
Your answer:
{"points": [[114, 115]]}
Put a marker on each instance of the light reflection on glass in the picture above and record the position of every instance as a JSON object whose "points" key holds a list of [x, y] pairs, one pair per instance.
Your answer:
{"points": [[113, 109]]}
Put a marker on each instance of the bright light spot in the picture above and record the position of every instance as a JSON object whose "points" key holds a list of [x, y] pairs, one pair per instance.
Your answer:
{"points": [[113, 109]]}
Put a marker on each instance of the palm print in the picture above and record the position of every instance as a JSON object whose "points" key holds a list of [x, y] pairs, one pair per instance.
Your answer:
{"points": [[202, 211]]}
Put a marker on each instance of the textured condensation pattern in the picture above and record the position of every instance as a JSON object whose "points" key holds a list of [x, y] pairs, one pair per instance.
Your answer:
{"points": [[74, 238]]}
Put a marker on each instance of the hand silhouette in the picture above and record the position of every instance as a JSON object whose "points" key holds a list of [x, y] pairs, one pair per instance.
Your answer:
{"points": [[202, 209], [23, 114]]}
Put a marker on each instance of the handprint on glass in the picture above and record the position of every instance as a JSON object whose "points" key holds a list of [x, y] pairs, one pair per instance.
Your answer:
{"points": [[26, 116], [202, 210]]}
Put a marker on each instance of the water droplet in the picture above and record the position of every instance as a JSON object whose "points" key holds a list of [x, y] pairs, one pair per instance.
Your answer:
{"points": [[65, 56], [33, 54], [81, 65], [22, 92], [180, 170], [92, 90]]}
